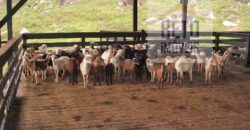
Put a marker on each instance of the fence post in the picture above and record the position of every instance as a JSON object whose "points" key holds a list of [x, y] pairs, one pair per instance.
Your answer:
{"points": [[24, 43], [143, 37], [0, 39], [217, 41], [1, 70], [83, 42], [248, 52]]}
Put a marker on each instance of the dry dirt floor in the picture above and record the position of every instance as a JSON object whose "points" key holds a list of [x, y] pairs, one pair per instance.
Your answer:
{"points": [[221, 105]]}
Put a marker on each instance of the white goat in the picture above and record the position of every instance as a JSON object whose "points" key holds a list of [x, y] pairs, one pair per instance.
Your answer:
{"points": [[25, 60], [42, 49], [184, 64], [117, 61], [201, 60], [107, 55], [59, 64], [209, 68], [86, 51], [85, 67], [70, 50]]}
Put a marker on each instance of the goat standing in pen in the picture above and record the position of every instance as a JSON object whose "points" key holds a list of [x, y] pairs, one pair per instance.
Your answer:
{"points": [[36, 67], [98, 69], [201, 60], [72, 68], [117, 60], [209, 69], [59, 64], [184, 64], [85, 67], [220, 60], [159, 72], [130, 66], [170, 66]]}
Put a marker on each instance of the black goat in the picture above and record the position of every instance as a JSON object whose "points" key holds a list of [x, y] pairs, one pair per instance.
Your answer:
{"points": [[109, 72]]}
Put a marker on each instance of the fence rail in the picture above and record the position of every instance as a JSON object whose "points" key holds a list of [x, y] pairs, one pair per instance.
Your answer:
{"points": [[10, 55]]}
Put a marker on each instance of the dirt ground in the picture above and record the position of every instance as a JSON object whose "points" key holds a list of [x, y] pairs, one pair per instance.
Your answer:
{"points": [[223, 104]]}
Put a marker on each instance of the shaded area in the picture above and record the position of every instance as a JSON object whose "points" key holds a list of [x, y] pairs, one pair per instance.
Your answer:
{"points": [[223, 104]]}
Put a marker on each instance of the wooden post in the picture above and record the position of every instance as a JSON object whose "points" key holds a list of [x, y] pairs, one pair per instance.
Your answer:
{"points": [[24, 43], [184, 17], [143, 33], [248, 52], [135, 15], [0, 39], [217, 41], [83, 42], [9, 23], [1, 71]]}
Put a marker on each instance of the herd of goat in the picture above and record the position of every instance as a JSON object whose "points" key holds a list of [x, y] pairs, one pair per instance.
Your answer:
{"points": [[119, 62]]}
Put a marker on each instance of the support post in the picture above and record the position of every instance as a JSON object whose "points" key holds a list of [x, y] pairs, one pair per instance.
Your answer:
{"points": [[135, 15], [184, 17], [0, 39], [1, 71], [9, 23], [248, 52]]}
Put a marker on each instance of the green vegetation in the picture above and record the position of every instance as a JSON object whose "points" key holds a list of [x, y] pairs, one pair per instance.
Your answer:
{"points": [[96, 15]]}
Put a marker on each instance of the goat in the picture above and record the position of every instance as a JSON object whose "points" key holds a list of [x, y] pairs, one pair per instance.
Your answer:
{"points": [[42, 49], [25, 59], [159, 72], [72, 68], [170, 66], [36, 66], [129, 54], [85, 67], [59, 64], [209, 68], [98, 69], [221, 59], [201, 60], [117, 60], [109, 72], [68, 51], [150, 63], [184, 64], [141, 56], [130, 66], [108, 54]]}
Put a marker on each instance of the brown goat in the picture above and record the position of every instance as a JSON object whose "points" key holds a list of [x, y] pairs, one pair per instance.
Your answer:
{"points": [[159, 72], [130, 67], [98, 69], [73, 68], [36, 67], [170, 70]]}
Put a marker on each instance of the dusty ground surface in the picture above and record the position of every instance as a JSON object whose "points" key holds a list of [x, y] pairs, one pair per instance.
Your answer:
{"points": [[224, 104]]}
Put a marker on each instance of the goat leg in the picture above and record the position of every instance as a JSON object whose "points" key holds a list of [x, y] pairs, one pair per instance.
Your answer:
{"points": [[63, 74], [95, 75], [191, 76]]}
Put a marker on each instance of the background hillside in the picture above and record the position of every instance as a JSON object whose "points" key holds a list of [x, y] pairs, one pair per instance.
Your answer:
{"points": [[96, 15]]}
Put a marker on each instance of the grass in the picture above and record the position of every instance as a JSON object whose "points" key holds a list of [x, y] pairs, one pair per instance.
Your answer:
{"points": [[96, 15]]}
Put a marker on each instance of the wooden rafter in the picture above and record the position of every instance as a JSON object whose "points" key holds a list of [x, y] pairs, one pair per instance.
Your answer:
{"points": [[9, 15]]}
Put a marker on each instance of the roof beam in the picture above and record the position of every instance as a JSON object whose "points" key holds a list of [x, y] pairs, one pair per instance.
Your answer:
{"points": [[12, 12]]}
